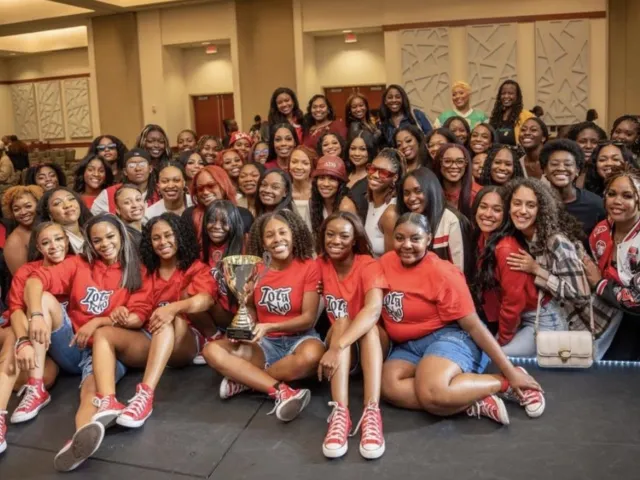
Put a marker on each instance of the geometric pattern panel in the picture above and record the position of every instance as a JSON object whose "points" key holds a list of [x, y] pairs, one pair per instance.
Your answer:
{"points": [[562, 66], [50, 117], [76, 97], [24, 111], [492, 59], [425, 69]]}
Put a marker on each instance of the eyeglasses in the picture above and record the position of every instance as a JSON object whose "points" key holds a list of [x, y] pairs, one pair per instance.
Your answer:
{"points": [[450, 162], [206, 186], [109, 146], [383, 173], [264, 151], [139, 163], [615, 143]]}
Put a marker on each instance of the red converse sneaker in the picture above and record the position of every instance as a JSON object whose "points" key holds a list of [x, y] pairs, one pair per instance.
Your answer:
{"points": [[109, 408], [491, 407], [229, 388], [84, 443], [533, 401], [3, 430], [199, 359], [138, 409], [35, 398], [289, 402], [335, 443], [372, 444]]}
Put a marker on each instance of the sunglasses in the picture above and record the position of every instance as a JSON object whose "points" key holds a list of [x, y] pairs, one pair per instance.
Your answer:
{"points": [[206, 186], [615, 143], [383, 173], [139, 163], [110, 146]]}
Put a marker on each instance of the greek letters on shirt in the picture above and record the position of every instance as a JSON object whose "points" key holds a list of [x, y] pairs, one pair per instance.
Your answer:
{"points": [[96, 301], [393, 305], [336, 307], [219, 278], [276, 300]]}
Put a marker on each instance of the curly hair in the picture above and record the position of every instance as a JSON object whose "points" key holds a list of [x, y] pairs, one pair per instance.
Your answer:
{"points": [[121, 148], [578, 128], [592, 180], [308, 121], [424, 159], [33, 254], [32, 173], [562, 145], [316, 202], [287, 200], [275, 116], [44, 214], [516, 153], [13, 193], [220, 158], [302, 238], [495, 120], [187, 248], [228, 213], [341, 141], [627, 171], [361, 243], [79, 184], [635, 146], [464, 200], [205, 138]]}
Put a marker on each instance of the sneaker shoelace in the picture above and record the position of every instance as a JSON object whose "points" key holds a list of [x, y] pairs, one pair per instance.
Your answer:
{"points": [[233, 388], [338, 424], [3, 425], [371, 424], [30, 397], [282, 394], [530, 396], [102, 403], [138, 402]]}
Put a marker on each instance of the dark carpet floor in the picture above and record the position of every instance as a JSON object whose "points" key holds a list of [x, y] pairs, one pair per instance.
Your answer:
{"points": [[590, 430]]}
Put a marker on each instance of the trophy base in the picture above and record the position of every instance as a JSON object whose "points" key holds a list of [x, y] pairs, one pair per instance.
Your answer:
{"points": [[239, 334]]}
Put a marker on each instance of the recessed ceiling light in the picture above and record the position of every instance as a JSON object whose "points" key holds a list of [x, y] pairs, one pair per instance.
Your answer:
{"points": [[347, 31], [206, 43]]}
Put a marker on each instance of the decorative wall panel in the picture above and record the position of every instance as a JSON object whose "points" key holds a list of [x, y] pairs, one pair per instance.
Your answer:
{"points": [[50, 116], [76, 97], [24, 111], [562, 66], [492, 60], [425, 69]]}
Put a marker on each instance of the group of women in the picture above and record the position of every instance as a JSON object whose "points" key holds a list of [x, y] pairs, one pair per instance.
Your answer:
{"points": [[420, 254]]}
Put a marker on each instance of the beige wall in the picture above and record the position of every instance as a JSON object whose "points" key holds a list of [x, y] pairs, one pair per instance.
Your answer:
{"points": [[205, 74], [198, 23], [51, 64], [176, 98], [6, 110], [340, 64]]}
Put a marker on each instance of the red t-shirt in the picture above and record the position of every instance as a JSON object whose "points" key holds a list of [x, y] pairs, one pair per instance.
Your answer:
{"points": [[423, 298], [278, 295], [345, 298], [93, 290], [221, 290], [196, 279]]}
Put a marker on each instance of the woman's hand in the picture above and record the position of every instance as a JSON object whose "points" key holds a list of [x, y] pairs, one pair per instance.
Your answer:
{"points": [[329, 363], [260, 330], [519, 381], [592, 271], [120, 316], [161, 317], [523, 262], [26, 358], [39, 331], [82, 336]]}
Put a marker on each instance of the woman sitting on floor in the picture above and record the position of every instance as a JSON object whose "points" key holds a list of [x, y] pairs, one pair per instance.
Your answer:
{"points": [[440, 344], [353, 285], [285, 347]]}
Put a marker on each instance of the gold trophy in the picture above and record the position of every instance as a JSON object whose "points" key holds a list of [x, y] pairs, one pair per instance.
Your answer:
{"points": [[241, 275]]}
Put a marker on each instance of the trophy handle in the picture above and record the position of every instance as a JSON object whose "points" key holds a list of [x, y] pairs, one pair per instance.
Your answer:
{"points": [[266, 260]]}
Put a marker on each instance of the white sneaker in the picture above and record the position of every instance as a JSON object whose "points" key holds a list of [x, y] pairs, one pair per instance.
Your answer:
{"points": [[229, 388]]}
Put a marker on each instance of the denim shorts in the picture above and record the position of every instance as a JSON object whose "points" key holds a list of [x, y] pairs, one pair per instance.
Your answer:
{"points": [[276, 348], [73, 360], [451, 342]]}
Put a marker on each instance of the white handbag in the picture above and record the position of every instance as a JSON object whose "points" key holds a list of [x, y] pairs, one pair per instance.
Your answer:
{"points": [[564, 349]]}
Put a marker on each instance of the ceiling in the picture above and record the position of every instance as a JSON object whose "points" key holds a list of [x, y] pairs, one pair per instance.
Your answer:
{"points": [[33, 26]]}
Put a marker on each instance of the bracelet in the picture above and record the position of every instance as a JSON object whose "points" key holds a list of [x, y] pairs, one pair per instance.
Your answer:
{"points": [[22, 345], [22, 341], [35, 314]]}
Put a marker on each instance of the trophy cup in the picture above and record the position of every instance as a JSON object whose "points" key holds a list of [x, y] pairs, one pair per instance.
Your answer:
{"points": [[241, 275]]}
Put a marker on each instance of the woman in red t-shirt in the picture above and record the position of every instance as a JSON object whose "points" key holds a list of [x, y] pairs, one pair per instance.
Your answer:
{"points": [[108, 277], [352, 284], [285, 347], [48, 246], [439, 341], [179, 284]]}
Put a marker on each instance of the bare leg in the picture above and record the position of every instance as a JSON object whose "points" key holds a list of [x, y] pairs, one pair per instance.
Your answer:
{"points": [[8, 370], [398, 384], [371, 360], [302, 363], [340, 379], [87, 409], [185, 346]]}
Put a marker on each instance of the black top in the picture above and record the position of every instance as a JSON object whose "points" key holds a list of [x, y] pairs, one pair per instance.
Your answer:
{"points": [[136, 235], [20, 160], [588, 208], [358, 193]]}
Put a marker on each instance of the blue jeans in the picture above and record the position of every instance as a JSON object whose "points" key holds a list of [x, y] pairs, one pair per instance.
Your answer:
{"points": [[450, 342], [523, 344], [276, 348], [73, 360]]}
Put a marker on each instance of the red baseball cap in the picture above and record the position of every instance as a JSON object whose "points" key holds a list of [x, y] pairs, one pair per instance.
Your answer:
{"points": [[235, 136], [331, 166]]}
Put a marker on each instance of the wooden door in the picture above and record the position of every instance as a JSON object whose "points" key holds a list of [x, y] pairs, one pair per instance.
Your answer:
{"points": [[338, 96], [210, 111]]}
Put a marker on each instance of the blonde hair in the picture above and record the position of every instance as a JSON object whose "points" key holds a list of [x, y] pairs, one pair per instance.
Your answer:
{"points": [[13, 193], [461, 84]]}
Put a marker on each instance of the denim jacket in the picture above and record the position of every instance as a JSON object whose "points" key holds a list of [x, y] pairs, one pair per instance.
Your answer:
{"points": [[387, 128]]}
